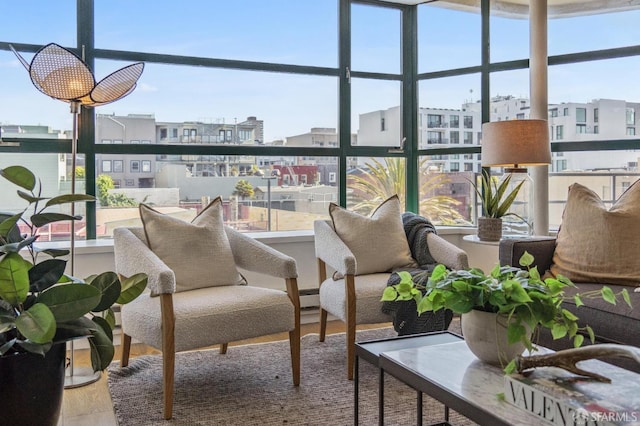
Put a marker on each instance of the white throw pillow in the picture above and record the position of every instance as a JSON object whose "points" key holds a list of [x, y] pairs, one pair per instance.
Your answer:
{"points": [[378, 242], [198, 252]]}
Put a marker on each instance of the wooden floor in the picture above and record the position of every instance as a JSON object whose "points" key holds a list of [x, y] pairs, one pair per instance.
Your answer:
{"points": [[91, 404]]}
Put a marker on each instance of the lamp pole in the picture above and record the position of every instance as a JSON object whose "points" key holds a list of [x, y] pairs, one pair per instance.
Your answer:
{"points": [[274, 174]]}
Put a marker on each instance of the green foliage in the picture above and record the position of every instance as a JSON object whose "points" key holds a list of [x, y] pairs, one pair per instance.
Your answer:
{"points": [[377, 181], [103, 184], [243, 189], [39, 304], [495, 201], [519, 294]]}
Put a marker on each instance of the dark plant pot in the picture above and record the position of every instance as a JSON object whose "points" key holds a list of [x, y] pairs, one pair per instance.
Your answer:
{"points": [[489, 229], [31, 387]]}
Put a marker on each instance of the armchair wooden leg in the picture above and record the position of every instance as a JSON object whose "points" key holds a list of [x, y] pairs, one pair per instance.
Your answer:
{"points": [[323, 324], [168, 367], [223, 348], [126, 348], [294, 343], [168, 352]]}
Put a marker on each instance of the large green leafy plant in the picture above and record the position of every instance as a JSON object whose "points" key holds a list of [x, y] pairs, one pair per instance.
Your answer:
{"points": [[39, 304], [521, 295]]}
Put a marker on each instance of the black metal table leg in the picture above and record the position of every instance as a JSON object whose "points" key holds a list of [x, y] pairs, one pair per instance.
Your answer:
{"points": [[381, 399], [419, 409], [356, 389]]}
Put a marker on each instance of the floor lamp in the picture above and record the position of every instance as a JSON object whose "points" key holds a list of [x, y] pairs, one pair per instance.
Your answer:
{"points": [[60, 74]]}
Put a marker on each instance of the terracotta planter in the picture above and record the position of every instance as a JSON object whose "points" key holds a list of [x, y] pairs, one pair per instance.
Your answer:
{"points": [[489, 229], [32, 387], [486, 336]]}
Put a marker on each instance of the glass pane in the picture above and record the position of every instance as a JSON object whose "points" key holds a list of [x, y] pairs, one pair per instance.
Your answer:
{"points": [[279, 31], [182, 184], [39, 22], [375, 112], [586, 108], [447, 38], [609, 185], [446, 194], [509, 37], [231, 107], [593, 32], [54, 174], [370, 181], [449, 113], [375, 39]]}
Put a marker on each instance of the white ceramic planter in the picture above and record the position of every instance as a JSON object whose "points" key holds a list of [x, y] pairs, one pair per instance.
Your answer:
{"points": [[486, 336]]}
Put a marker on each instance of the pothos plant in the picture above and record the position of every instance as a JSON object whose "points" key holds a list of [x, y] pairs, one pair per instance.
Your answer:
{"points": [[39, 304], [521, 295]]}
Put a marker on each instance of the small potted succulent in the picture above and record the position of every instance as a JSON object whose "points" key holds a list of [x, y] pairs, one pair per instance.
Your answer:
{"points": [[496, 201], [505, 307], [41, 308]]}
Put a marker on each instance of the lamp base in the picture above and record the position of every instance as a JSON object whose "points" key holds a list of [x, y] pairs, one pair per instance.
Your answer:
{"points": [[80, 376]]}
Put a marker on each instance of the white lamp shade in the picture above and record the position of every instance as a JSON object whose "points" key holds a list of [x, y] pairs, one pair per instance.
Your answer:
{"points": [[515, 142]]}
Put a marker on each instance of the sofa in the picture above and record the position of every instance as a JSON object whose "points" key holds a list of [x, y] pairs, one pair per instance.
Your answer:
{"points": [[610, 323]]}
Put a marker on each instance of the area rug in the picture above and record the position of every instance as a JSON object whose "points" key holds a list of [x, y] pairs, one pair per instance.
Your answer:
{"points": [[252, 385]]}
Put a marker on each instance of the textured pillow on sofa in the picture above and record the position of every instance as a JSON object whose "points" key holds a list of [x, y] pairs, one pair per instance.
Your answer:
{"points": [[199, 252], [596, 244], [378, 242]]}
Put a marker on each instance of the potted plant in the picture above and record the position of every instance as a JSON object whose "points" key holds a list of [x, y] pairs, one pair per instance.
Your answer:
{"points": [[505, 306], [496, 202], [41, 308]]}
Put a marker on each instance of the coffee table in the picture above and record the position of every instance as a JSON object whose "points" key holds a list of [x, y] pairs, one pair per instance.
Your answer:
{"points": [[371, 350], [451, 374]]}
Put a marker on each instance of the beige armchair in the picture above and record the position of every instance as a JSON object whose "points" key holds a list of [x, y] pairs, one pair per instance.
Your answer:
{"points": [[355, 299], [178, 321]]}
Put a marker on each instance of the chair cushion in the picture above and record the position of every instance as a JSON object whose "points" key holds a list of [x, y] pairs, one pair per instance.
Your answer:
{"points": [[593, 241], [369, 290], [378, 242], [198, 252], [209, 316]]}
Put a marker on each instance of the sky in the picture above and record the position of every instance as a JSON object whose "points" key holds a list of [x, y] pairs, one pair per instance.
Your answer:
{"points": [[300, 32]]}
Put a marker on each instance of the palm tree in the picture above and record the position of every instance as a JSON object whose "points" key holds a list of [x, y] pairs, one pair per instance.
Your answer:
{"points": [[377, 181]]}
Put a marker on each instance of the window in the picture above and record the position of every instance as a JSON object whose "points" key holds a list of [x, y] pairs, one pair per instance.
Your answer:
{"points": [[163, 133], [561, 165], [185, 132], [106, 141], [596, 129], [454, 121], [228, 135], [468, 122], [468, 167], [520, 116], [581, 115], [434, 138], [553, 112], [135, 166], [145, 142], [434, 120], [129, 182], [559, 132], [174, 133], [106, 166], [566, 112], [631, 131], [468, 138], [454, 166], [146, 166], [134, 142], [117, 183], [382, 128], [118, 166], [455, 137], [631, 116], [596, 112], [581, 128], [332, 177], [117, 141]]}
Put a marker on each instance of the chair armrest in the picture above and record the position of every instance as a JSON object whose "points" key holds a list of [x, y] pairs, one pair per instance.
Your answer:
{"points": [[542, 248], [252, 255], [132, 256], [448, 254], [332, 250]]}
